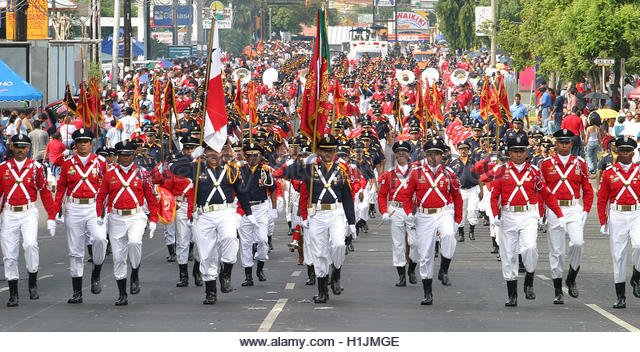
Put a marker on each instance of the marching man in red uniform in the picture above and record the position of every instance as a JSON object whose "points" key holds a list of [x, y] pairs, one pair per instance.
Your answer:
{"points": [[124, 191], [517, 199], [619, 212], [79, 182], [568, 179], [22, 180], [438, 210], [395, 202]]}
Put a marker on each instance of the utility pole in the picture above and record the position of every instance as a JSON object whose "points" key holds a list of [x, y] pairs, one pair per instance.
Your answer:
{"points": [[494, 32], [114, 49], [269, 23], [199, 29], [396, 45], [189, 31], [146, 17], [21, 21], [174, 19], [373, 21], [126, 53]]}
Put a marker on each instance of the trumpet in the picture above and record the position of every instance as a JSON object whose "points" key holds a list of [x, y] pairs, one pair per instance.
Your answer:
{"points": [[405, 98]]}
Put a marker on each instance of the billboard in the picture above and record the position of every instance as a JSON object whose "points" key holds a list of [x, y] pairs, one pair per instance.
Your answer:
{"points": [[384, 3], [163, 16], [37, 20], [412, 21]]}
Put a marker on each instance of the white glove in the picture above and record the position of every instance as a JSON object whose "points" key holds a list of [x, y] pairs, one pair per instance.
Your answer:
{"points": [[198, 152], [604, 230], [304, 224], [66, 153], [280, 204], [59, 218], [252, 219], [152, 229], [274, 214], [457, 224], [352, 230], [100, 221], [497, 222], [195, 215], [385, 217], [51, 226], [583, 219], [563, 223], [289, 162], [311, 159]]}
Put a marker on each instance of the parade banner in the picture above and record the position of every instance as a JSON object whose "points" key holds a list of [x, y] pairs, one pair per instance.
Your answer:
{"points": [[503, 99], [37, 20], [84, 111], [215, 122], [457, 132], [68, 100], [95, 105]]}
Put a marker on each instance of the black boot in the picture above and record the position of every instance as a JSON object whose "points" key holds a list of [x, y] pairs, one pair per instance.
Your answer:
{"points": [[571, 281], [172, 252], [135, 281], [495, 249], [521, 268], [443, 273], [349, 244], [270, 243], [90, 251], [248, 279], [197, 277], [372, 211], [76, 283], [512, 294], [13, 293], [33, 286], [191, 244], [437, 249], [635, 282], [311, 274], [122, 288], [335, 281], [210, 294], [323, 291], [183, 275], [557, 288], [225, 279], [412, 272], [622, 300], [461, 234], [528, 286], [95, 279], [403, 276], [290, 229], [260, 271], [428, 295], [485, 220], [472, 235]]}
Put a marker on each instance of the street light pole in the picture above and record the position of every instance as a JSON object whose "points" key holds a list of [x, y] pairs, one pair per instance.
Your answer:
{"points": [[494, 30]]}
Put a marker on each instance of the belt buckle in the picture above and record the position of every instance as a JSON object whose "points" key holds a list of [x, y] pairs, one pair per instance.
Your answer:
{"points": [[18, 208], [518, 208], [626, 207], [432, 210], [83, 201], [126, 212], [564, 203]]}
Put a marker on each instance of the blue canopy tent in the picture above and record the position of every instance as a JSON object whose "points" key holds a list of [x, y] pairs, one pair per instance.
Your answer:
{"points": [[14, 88], [136, 47]]}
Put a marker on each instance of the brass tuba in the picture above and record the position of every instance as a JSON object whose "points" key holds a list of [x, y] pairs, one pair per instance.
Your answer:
{"points": [[459, 77], [405, 77], [241, 74]]}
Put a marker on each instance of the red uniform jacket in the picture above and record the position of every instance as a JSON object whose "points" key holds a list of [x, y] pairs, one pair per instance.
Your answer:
{"points": [[484, 168], [19, 187], [393, 190], [128, 194], [178, 186], [613, 191], [559, 177], [80, 181], [504, 185], [447, 190]]}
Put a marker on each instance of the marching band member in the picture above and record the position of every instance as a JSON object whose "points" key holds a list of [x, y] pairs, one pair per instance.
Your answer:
{"points": [[22, 180], [619, 212], [568, 179], [79, 182], [123, 193]]}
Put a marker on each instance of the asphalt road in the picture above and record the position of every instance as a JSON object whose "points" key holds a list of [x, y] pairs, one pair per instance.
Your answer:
{"points": [[370, 302]]}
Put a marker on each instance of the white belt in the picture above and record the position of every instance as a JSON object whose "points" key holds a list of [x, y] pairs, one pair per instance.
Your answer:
{"points": [[82, 200], [520, 208], [19, 208], [126, 212], [180, 199], [330, 206], [618, 207], [396, 204], [568, 203], [431, 210], [214, 207]]}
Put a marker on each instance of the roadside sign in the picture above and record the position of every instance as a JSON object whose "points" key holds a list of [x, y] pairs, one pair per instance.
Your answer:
{"points": [[604, 61]]}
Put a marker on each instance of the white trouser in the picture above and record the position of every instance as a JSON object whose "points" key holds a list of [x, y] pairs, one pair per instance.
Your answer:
{"points": [[170, 233], [215, 236], [292, 200], [518, 234], [556, 238], [493, 229], [15, 224], [470, 200], [306, 246], [362, 206], [401, 225], [427, 225], [271, 223], [250, 234], [326, 233], [183, 234], [81, 219], [624, 226], [126, 233]]}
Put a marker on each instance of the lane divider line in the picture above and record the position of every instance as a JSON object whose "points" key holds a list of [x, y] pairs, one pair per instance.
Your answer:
{"points": [[290, 286], [613, 318], [296, 273], [273, 315]]}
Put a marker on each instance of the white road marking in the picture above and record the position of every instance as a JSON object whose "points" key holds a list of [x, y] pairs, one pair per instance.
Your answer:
{"points": [[45, 277], [4, 289], [290, 286], [272, 316], [542, 277], [613, 318], [296, 273], [323, 308]]}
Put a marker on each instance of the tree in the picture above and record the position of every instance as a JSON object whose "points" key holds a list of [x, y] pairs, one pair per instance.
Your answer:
{"points": [[456, 19]]}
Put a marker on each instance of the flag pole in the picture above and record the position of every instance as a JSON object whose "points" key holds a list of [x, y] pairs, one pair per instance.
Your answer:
{"points": [[314, 140], [202, 110]]}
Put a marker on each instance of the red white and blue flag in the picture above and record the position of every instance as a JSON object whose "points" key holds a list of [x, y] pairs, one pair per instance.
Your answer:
{"points": [[215, 122]]}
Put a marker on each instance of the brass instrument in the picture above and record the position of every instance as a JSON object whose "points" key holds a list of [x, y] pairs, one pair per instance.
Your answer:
{"points": [[405, 77], [241, 74], [459, 77]]}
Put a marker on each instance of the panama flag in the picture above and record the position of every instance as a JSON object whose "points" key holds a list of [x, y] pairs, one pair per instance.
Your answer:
{"points": [[215, 122]]}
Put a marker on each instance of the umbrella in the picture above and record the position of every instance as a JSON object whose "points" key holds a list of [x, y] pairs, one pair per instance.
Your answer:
{"points": [[635, 94], [596, 95], [607, 113]]}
